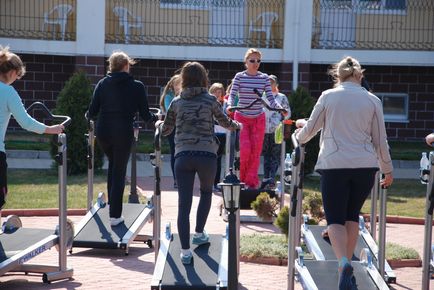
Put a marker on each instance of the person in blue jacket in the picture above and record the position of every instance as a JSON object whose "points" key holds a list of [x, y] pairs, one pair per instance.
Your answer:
{"points": [[11, 69], [116, 100]]}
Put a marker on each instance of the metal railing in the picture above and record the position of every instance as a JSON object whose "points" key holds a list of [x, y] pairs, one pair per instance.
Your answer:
{"points": [[42, 19], [373, 24], [245, 23]]}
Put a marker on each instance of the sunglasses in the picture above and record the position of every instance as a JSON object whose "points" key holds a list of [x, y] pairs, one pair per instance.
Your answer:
{"points": [[254, 60]]}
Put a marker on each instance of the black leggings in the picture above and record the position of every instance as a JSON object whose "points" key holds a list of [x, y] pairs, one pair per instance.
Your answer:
{"points": [[344, 191], [117, 147], [3, 179], [186, 168]]}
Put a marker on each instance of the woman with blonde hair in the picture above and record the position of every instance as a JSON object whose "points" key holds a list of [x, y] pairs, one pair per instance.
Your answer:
{"points": [[12, 69], [353, 146], [244, 85], [116, 100], [171, 90]]}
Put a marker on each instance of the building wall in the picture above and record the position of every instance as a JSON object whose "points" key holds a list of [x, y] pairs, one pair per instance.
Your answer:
{"points": [[46, 75], [417, 82]]}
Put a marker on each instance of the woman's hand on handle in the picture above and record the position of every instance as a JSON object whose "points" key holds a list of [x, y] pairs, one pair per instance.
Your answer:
{"points": [[387, 180], [158, 123], [55, 129], [430, 139], [300, 123]]}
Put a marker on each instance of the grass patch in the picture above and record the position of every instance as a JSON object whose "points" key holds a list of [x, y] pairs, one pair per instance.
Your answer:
{"points": [[398, 252], [406, 197], [39, 189], [32, 141], [254, 246], [276, 246]]}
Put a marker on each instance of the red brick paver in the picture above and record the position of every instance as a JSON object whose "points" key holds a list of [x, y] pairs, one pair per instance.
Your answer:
{"points": [[105, 269]]}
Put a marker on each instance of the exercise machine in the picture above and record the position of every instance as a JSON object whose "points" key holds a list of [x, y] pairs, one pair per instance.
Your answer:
{"points": [[95, 231], [321, 272], [208, 269], [428, 249], [232, 149], [18, 245]]}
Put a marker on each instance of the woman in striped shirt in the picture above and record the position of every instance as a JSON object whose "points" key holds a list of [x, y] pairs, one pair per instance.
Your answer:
{"points": [[253, 118]]}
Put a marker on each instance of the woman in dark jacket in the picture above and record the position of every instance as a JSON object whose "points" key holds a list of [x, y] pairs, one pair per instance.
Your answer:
{"points": [[116, 100]]}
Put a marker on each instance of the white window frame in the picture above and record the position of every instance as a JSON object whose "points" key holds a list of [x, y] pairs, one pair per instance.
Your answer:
{"points": [[396, 118], [186, 4], [381, 9]]}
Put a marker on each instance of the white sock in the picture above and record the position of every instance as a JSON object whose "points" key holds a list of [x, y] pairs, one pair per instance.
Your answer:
{"points": [[186, 252], [198, 235]]}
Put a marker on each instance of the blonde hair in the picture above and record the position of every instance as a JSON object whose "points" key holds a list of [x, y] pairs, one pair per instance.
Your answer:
{"points": [[10, 61], [251, 51], [170, 86], [345, 69], [118, 60], [215, 87]]}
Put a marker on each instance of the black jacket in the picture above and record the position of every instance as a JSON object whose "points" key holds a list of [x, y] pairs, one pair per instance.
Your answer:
{"points": [[117, 98]]}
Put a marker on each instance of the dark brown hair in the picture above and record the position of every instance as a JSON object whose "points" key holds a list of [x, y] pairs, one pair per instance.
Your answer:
{"points": [[193, 74]]}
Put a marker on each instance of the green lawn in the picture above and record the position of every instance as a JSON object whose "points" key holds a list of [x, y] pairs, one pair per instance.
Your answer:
{"points": [[38, 189], [406, 197], [32, 141], [408, 150]]}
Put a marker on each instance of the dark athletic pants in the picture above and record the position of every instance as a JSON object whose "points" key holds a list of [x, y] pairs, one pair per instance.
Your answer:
{"points": [[344, 191], [116, 144], [186, 168], [3, 179], [220, 152]]}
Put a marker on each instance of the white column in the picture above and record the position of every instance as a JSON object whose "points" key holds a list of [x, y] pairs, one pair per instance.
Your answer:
{"points": [[297, 34], [90, 27], [288, 31]]}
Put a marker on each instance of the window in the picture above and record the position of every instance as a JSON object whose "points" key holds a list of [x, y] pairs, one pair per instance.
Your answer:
{"points": [[184, 4], [395, 106], [383, 4]]}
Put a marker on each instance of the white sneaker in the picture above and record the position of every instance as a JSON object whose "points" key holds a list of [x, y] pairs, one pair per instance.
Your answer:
{"points": [[115, 221]]}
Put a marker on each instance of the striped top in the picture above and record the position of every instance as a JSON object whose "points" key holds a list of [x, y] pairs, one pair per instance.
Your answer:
{"points": [[243, 84]]}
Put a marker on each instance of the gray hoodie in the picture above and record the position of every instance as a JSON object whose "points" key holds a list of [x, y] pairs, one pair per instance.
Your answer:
{"points": [[353, 134], [193, 114]]}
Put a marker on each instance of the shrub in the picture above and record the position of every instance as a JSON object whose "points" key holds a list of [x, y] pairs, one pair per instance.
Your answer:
{"points": [[398, 252], [282, 220], [302, 103], [73, 101], [312, 204], [265, 206]]}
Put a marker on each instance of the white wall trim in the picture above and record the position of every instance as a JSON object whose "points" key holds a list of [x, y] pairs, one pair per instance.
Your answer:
{"points": [[375, 57], [31, 46], [203, 53]]}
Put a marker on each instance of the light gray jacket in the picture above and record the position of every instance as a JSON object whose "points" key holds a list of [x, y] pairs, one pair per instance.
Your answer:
{"points": [[353, 134]]}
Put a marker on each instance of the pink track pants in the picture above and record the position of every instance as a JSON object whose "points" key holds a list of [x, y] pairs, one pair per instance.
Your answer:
{"points": [[251, 139]]}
